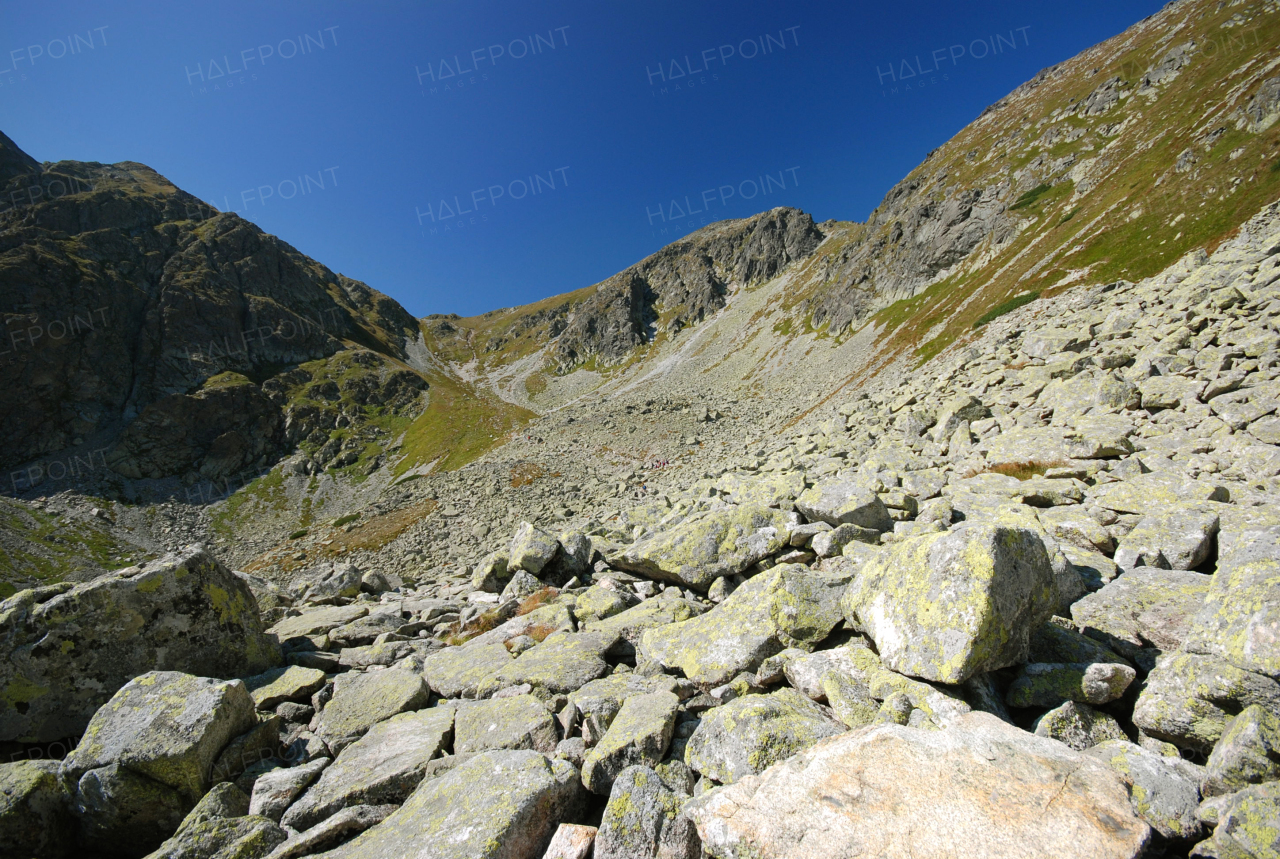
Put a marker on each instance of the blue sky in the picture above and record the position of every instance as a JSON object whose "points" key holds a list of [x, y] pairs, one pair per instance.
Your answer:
{"points": [[464, 155]]}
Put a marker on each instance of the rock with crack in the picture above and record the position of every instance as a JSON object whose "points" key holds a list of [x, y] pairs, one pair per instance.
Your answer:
{"points": [[1177, 540], [456, 672], [557, 665], [643, 819], [638, 735], [295, 683], [1164, 791], [1189, 699], [1143, 612], [983, 787], [531, 549], [844, 502], [750, 734], [69, 648], [381, 768], [708, 546], [1248, 825], [785, 605], [497, 805], [947, 606], [274, 791], [1247, 753]]}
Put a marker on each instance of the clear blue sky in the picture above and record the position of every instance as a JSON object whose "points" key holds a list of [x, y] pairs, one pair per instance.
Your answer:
{"points": [[548, 123]]}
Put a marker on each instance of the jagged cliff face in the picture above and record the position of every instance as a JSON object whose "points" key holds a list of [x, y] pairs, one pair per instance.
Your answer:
{"points": [[678, 287], [123, 296]]}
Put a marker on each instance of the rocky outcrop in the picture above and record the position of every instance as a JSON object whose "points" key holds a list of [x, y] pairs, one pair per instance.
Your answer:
{"points": [[71, 647]]}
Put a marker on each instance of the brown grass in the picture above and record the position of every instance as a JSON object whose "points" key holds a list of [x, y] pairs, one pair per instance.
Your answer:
{"points": [[539, 632], [536, 600], [1024, 470], [525, 473], [462, 633], [378, 531]]}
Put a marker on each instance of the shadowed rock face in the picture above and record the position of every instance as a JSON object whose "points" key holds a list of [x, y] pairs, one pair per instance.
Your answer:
{"points": [[682, 284], [118, 290]]}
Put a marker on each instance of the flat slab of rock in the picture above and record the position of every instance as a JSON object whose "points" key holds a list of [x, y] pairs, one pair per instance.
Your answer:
{"points": [[67, 653], [167, 726], [498, 805], [947, 606], [1143, 610], [982, 788], [274, 687], [750, 734], [517, 722], [1173, 540], [771, 611], [360, 701], [643, 818], [383, 767], [318, 621], [456, 672], [558, 665], [1158, 490], [708, 546]]}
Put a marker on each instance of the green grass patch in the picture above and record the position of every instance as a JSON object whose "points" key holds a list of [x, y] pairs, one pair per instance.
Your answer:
{"points": [[1006, 307], [299, 534], [345, 520], [1029, 198]]}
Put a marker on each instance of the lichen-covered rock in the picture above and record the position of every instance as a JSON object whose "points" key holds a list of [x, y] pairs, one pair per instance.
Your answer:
{"points": [[708, 546], [1239, 621], [1248, 826], [638, 735], [1247, 753], [851, 702], [841, 502], [980, 788], [34, 818], [360, 701], [1189, 699], [806, 673], [1078, 726], [1172, 540], [1159, 490], [598, 603], [769, 490], [603, 698], [785, 605], [517, 722], [491, 574], [167, 726], [381, 768], [1144, 612], [327, 582], [558, 665], [642, 820], [318, 621], [275, 791], [456, 672], [750, 734], [334, 830], [1054, 642], [497, 805], [274, 687], [946, 606], [531, 549], [1163, 791], [67, 654], [668, 607], [571, 841], [220, 827], [1048, 684]]}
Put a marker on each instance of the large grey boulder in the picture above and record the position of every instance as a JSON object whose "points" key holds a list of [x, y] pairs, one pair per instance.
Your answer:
{"points": [[1173, 540], [667, 607], [317, 621], [750, 734], [360, 701], [1189, 699], [947, 606], [295, 683], [34, 819], [166, 726], [1248, 825], [638, 735], [643, 821], [123, 814], [981, 788], [497, 805], [531, 549], [274, 791], [785, 605], [1163, 791], [1078, 726], [68, 649], [328, 582], [843, 502], [708, 546], [517, 722], [383, 767]]}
